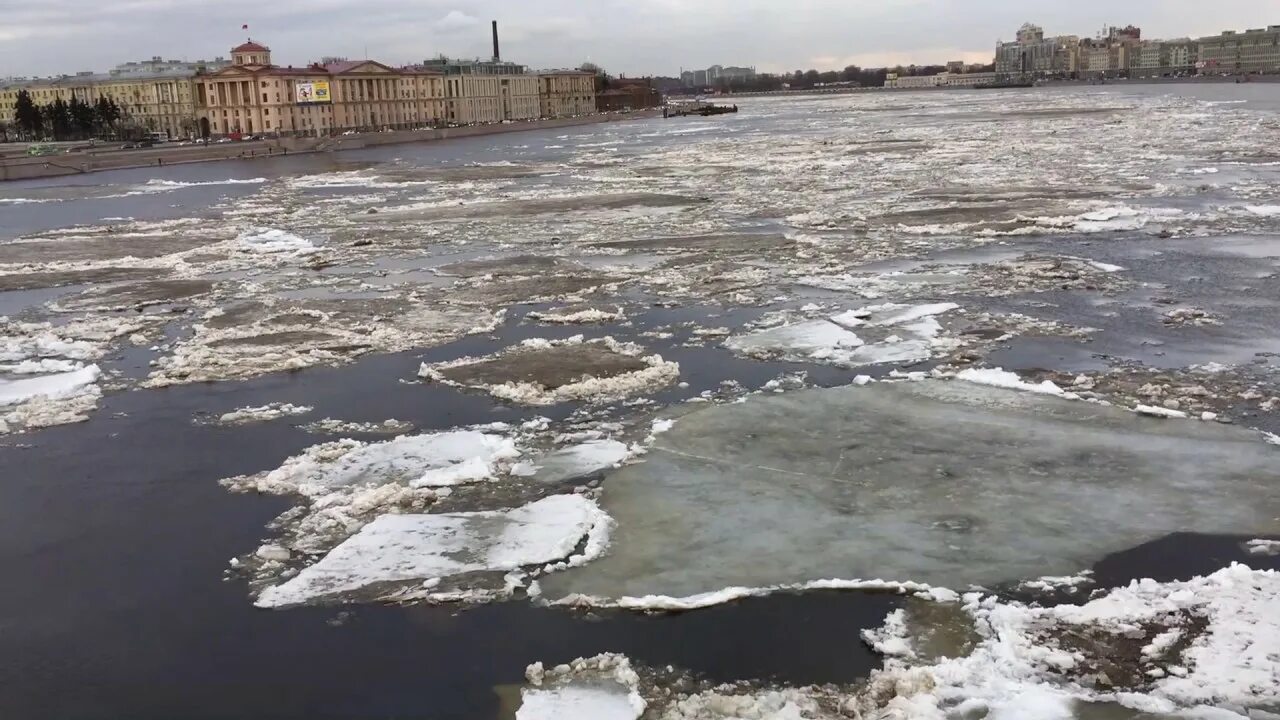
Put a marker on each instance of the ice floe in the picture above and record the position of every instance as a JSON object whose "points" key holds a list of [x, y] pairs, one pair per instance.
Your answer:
{"points": [[45, 400], [1263, 547], [330, 426], [887, 333], [263, 413], [578, 315], [278, 335], [1207, 647], [577, 461], [912, 481], [547, 372], [417, 556], [999, 377], [270, 240], [599, 688]]}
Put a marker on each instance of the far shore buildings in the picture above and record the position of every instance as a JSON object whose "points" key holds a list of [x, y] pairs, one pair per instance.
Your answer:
{"points": [[1123, 52], [250, 95]]}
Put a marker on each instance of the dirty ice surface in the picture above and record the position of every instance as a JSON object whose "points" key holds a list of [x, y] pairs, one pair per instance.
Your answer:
{"points": [[952, 484], [412, 556]]}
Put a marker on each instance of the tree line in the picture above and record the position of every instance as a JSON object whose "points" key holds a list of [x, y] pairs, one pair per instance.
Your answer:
{"points": [[61, 120]]}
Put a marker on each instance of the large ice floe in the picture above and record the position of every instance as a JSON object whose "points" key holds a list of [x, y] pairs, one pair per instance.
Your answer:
{"points": [[871, 335], [1206, 648], [546, 372], [949, 484]]}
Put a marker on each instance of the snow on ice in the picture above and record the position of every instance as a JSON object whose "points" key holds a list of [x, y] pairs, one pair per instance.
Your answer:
{"points": [[264, 413], [999, 377], [599, 688], [902, 334], [406, 556], [430, 460], [578, 461], [267, 240], [1208, 647], [45, 400], [912, 481]]}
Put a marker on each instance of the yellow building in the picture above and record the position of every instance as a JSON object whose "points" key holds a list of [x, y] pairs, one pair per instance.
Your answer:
{"points": [[252, 96], [564, 93], [160, 102], [156, 95], [477, 99]]}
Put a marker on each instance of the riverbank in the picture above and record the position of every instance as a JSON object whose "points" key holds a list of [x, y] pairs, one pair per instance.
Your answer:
{"points": [[30, 168]]}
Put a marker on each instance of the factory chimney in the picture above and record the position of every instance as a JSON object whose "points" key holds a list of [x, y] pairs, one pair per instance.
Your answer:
{"points": [[496, 55]]}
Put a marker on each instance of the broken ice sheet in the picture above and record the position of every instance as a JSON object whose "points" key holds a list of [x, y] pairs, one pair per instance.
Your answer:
{"points": [[416, 556], [1207, 647], [887, 333], [576, 461], [946, 483], [546, 372], [347, 483], [35, 401]]}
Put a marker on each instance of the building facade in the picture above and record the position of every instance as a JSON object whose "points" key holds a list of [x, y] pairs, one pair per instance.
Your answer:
{"points": [[250, 95], [1250, 52], [565, 93], [942, 79], [480, 99], [154, 95], [1033, 54], [254, 96]]}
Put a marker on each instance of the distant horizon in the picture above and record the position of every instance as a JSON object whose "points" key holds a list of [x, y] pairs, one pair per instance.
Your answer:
{"points": [[638, 38]]}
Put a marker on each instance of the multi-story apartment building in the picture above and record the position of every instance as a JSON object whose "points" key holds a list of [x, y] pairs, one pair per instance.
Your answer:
{"points": [[1252, 51], [1156, 58], [566, 92], [1034, 54], [717, 75]]}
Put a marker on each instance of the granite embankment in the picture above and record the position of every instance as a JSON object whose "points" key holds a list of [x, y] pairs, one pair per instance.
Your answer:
{"points": [[25, 168]]}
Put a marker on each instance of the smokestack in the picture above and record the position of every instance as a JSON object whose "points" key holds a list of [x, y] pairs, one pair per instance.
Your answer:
{"points": [[496, 55]]}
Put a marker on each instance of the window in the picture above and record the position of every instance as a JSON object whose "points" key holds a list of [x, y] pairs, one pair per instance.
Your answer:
{"points": [[264, 83], [264, 95]]}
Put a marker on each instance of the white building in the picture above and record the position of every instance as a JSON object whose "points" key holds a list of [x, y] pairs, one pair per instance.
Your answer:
{"points": [[943, 79]]}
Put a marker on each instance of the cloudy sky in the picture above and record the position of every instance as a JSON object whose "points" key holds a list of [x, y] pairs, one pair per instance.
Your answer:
{"points": [[628, 36]]}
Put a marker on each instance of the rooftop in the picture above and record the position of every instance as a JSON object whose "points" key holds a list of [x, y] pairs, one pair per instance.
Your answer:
{"points": [[250, 46]]}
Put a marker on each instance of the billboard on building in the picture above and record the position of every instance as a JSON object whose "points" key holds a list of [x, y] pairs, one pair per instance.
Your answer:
{"points": [[312, 92]]}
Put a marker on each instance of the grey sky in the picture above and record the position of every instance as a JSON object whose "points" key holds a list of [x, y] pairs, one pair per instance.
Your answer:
{"points": [[629, 36]]}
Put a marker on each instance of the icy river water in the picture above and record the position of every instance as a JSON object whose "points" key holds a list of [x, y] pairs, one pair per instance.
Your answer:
{"points": [[910, 405]]}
